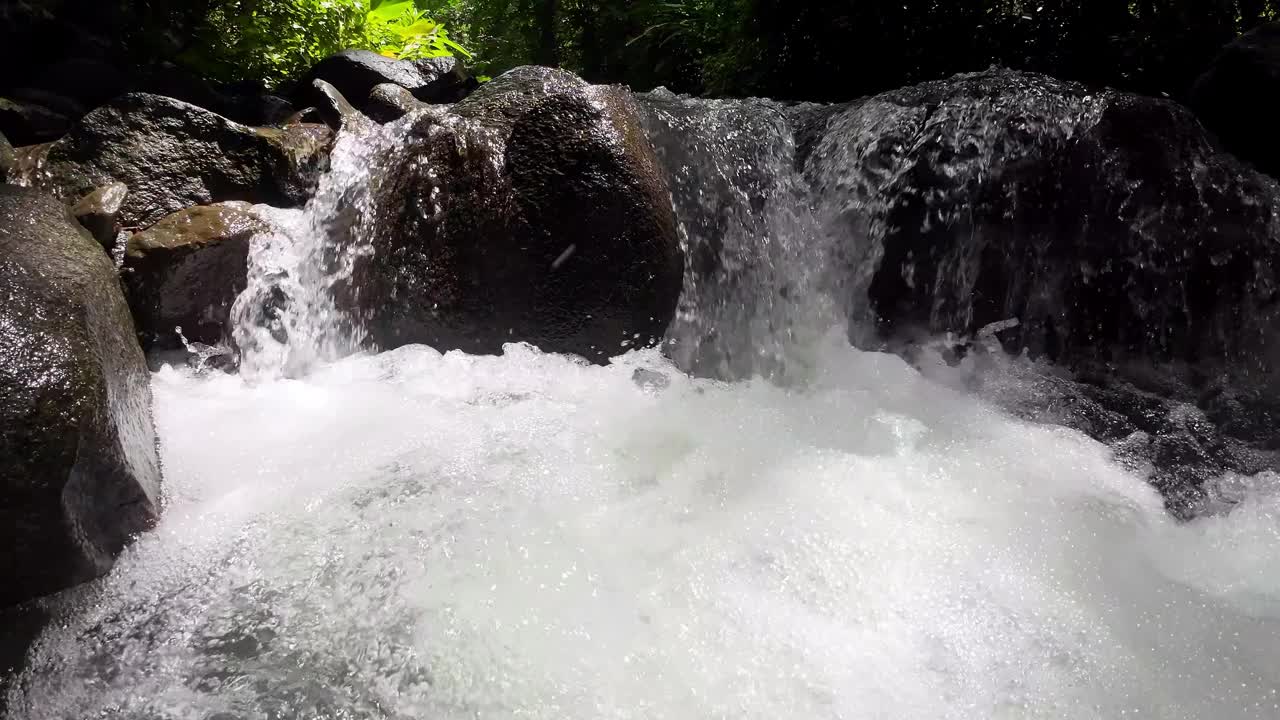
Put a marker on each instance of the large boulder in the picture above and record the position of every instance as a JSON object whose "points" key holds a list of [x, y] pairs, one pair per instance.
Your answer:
{"points": [[186, 271], [1238, 97], [355, 73], [534, 211], [79, 472], [1107, 224], [172, 155], [1101, 231]]}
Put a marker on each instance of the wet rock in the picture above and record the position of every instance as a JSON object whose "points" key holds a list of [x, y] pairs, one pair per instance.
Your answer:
{"points": [[333, 107], [535, 212], [186, 271], [98, 210], [355, 73], [79, 472], [1238, 97], [28, 123], [1124, 244], [388, 103], [173, 155], [28, 164], [8, 160]]}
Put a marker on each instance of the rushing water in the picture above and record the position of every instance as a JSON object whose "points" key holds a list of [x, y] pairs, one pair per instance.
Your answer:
{"points": [[418, 535]]}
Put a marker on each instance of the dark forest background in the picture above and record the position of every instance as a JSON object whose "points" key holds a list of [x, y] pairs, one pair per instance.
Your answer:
{"points": [[786, 49]]}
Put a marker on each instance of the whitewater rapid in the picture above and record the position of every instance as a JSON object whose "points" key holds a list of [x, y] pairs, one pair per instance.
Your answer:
{"points": [[417, 535]]}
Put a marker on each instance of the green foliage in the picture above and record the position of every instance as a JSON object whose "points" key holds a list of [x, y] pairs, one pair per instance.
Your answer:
{"points": [[273, 40], [397, 28]]}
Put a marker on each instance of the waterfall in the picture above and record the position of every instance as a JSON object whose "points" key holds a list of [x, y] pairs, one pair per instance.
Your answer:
{"points": [[757, 520], [757, 289], [287, 320]]}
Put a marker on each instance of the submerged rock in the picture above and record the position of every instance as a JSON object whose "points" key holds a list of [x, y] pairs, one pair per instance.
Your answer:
{"points": [[79, 472], [173, 155], [355, 73], [1122, 243], [1238, 97], [186, 271], [535, 212]]}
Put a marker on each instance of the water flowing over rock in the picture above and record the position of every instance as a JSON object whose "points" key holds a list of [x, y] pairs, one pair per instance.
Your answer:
{"points": [[1238, 97], [172, 155], [79, 473], [533, 211], [1099, 231], [755, 280], [184, 273]]}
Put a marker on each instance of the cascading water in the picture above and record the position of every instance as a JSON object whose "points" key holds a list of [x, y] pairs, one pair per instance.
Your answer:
{"points": [[418, 535], [756, 292], [286, 322]]}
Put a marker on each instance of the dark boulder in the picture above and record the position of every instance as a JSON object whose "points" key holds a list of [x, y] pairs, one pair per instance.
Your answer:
{"points": [[533, 212], [388, 103], [172, 155], [79, 472], [333, 108], [355, 73], [8, 160], [28, 123], [1101, 231], [186, 271], [245, 103], [98, 212], [1107, 224], [1238, 97]]}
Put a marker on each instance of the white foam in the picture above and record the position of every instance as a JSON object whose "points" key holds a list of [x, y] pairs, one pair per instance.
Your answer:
{"points": [[422, 536]]}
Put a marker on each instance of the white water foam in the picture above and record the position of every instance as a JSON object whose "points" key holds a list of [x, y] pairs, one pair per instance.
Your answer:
{"points": [[414, 535], [287, 321]]}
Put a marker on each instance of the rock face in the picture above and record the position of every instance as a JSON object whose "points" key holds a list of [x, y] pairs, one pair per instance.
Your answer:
{"points": [[1238, 97], [186, 271], [79, 472], [533, 212], [355, 73], [173, 155], [8, 160], [1108, 228], [1108, 224]]}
